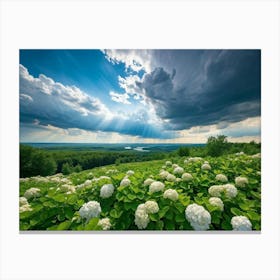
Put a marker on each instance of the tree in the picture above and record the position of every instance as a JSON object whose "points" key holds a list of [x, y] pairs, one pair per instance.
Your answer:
{"points": [[66, 168], [216, 146], [183, 151]]}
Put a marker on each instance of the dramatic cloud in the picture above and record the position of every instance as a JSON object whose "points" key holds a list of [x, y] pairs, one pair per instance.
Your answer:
{"points": [[226, 90], [49, 103]]}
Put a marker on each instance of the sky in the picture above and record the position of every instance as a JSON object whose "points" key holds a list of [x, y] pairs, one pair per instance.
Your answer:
{"points": [[139, 96]]}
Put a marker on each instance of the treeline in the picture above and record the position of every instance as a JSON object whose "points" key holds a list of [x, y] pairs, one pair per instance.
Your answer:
{"points": [[35, 161]]}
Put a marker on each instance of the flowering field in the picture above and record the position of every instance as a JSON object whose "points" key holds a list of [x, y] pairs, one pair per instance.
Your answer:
{"points": [[222, 193]]}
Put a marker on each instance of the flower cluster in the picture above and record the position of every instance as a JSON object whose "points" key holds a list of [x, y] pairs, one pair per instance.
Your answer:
{"points": [[163, 174], [170, 178], [222, 178], [67, 188], [156, 186], [141, 217], [125, 182], [171, 194], [205, 166], [151, 207], [198, 217], [106, 190], [22, 201], [104, 223], [229, 190], [32, 192], [178, 170], [241, 223], [216, 201], [25, 207], [90, 210], [168, 163], [241, 181], [187, 177], [148, 182], [130, 173]]}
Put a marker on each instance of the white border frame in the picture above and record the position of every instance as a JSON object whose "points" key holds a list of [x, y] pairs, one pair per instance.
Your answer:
{"points": [[132, 24]]}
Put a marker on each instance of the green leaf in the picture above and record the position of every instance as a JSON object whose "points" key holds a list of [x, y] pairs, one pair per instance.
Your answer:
{"points": [[115, 214], [64, 225], [153, 217], [236, 211], [163, 211], [159, 225], [180, 218], [253, 216], [131, 196], [169, 215], [169, 225], [92, 224]]}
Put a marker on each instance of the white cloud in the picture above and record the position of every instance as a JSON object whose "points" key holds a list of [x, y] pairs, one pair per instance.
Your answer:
{"points": [[120, 97], [135, 60]]}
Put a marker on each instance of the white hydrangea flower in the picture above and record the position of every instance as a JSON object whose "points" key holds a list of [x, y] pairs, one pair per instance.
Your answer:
{"points": [[24, 179], [130, 173], [87, 183], [106, 190], [65, 181], [178, 180], [90, 210], [187, 177], [171, 194], [194, 159], [32, 192], [22, 201], [241, 181], [178, 170], [256, 155], [125, 182], [170, 178], [216, 201], [141, 207], [67, 188], [186, 161], [222, 178], [206, 166], [240, 154], [198, 217], [156, 186], [148, 182], [174, 165], [24, 208], [55, 179], [151, 207], [141, 218], [104, 178], [230, 190], [259, 173], [216, 190], [104, 223], [241, 223], [168, 163], [111, 171], [163, 174]]}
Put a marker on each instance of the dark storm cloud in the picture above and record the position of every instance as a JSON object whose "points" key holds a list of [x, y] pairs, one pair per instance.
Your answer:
{"points": [[205, 88]]}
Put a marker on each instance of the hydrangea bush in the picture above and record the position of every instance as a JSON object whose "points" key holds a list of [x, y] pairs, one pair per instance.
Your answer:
{"points": [[190, 193]]}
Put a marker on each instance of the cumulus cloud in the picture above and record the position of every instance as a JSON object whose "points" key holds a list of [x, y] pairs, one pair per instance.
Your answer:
{"points": [[120, 97], [134, 60], [68, 107]]}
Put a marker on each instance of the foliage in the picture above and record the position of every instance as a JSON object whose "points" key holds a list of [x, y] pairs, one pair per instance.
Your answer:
{"points": [[183, 151], [216, 146], [57, 210]]}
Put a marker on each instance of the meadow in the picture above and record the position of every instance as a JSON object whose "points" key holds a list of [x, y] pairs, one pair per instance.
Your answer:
{"points": [[176, 193]]}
